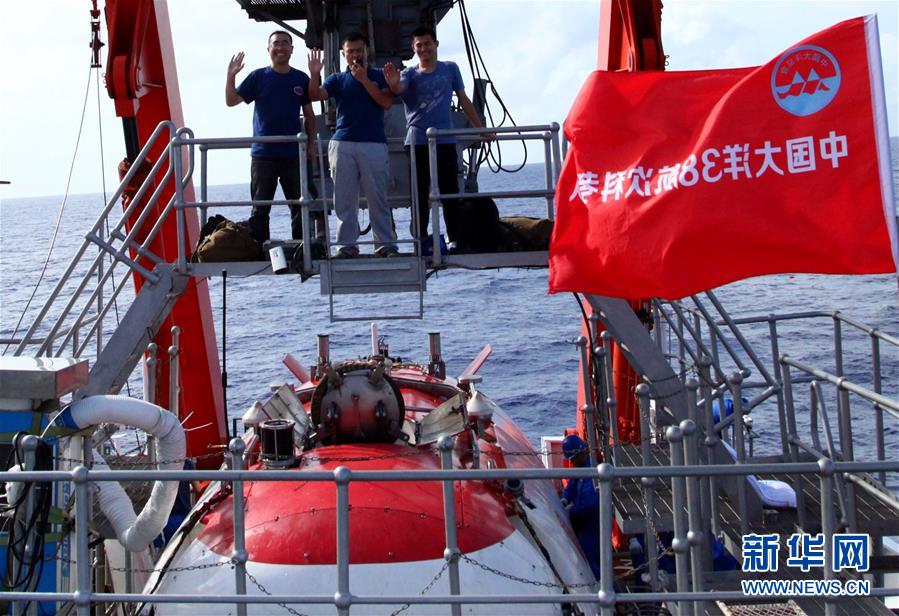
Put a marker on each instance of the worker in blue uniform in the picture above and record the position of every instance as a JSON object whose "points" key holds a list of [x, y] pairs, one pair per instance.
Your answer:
{"points": [[581, 501]]}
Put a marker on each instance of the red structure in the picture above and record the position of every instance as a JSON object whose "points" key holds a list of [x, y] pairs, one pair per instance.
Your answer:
{"points": [[142, 80], [630, 39]]}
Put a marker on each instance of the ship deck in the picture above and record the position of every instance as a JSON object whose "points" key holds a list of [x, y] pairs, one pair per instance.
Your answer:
{"points": [[474, 261], [873, 517]]}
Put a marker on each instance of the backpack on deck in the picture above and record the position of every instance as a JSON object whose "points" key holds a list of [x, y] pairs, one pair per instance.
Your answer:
{"points": [[222, 240], [479, 229], [523, 233]]}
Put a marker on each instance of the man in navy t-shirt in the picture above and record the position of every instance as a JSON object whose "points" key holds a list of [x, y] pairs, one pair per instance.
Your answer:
{"points": [[278, 92], [427, 92], [357, 152]]}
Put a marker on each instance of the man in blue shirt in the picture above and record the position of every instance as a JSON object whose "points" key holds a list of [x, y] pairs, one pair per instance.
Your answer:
{"points": [[278, 92], [357, 152], [427, 91]]}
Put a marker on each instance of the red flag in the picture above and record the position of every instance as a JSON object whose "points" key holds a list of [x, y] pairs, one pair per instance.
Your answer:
{"points": [[677, 182]]}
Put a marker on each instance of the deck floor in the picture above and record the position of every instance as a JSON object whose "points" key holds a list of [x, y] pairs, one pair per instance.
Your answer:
{"points": [[873, 517]]}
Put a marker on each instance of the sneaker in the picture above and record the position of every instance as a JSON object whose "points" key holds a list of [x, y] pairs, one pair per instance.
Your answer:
{"points": [[344, 254], [388, 252]]}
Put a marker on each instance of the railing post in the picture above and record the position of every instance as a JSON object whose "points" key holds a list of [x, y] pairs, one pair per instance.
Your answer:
{"points": [[697, 489], [82, 549], [413, 197], [434, 196], [305, 219], [557, 156], [150, 377], [681, 347], [174, 372], [607, 401], [609, 386], [648, 484], [878, 411], [735, 380], [710, 509], [342, 598], [826, 470], [239, 555], [550, 184], [837, 344], [589, 408], [848, 451], [793, 436], [781, 412], [451, 553], [606, 595], [696, 534], [175, 144], [204, 153], [675, 437]]}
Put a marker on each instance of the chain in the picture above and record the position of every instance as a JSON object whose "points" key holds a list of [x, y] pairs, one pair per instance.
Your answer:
{"points": [[143, 464], [515, 578], [176, 569], [424, 590], [224, 563], [633, 570], [265, 591], [386, 456]]}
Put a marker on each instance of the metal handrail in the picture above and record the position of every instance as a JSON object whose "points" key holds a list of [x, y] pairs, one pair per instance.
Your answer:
{"points": [[604, 474], [688, 337], [548, 133], [832, 314], [843, 383]]}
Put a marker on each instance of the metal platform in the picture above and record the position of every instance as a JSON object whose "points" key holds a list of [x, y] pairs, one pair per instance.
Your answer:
{"points": [[873, 516], [482, 261], [630, 509]]}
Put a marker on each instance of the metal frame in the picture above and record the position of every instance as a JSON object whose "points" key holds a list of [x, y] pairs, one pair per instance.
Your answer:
{"points": [[343, 599], [548, 133]]}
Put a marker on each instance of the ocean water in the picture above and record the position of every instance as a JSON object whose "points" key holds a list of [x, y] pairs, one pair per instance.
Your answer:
{"points": [[532, 372]]}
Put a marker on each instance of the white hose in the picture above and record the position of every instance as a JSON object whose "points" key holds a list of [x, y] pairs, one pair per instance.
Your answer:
{"points": [[134, 532]]}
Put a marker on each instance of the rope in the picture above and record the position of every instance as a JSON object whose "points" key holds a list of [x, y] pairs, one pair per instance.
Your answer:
{"points": [[62, 208]]}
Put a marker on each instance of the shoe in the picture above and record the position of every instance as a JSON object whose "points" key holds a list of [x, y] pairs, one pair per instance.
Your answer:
{"points": [[344, 254], [388, 252]]}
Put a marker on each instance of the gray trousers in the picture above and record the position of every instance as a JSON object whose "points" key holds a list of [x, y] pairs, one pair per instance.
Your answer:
{"points": [[357, 165]]}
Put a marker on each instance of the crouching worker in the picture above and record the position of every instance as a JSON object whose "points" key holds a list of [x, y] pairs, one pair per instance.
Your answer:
{"points": [[188, 491], [581, 501]]}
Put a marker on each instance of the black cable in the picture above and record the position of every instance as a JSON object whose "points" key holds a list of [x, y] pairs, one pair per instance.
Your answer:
{"points": [[25, 567], [491, 153], [115, 301], [62, 208], [595, 375]]}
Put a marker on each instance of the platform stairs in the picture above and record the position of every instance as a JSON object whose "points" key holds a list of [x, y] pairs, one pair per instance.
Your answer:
{"points": [[695, 364]]}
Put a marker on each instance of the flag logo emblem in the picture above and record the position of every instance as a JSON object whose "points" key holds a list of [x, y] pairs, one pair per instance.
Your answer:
{"points": [[805, 80]]}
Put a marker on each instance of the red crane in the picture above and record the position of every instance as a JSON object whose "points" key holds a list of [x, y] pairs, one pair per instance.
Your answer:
{"points": [[142, 81], [630, 39]]}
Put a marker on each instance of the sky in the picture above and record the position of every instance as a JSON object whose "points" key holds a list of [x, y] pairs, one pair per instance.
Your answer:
{"points": [[537, 52]]}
